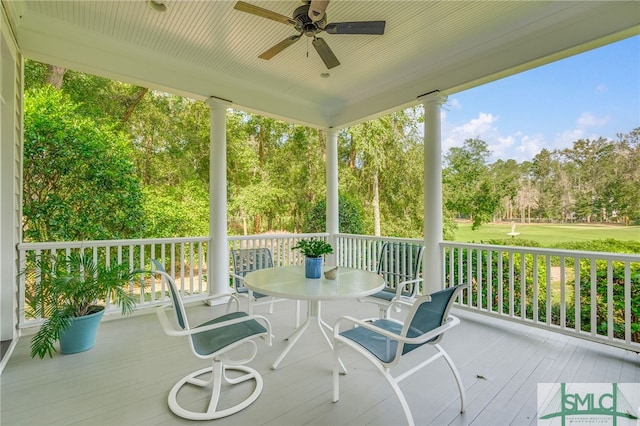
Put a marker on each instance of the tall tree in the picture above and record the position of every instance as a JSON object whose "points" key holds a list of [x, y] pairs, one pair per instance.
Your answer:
{"points": [[505, 177], [386, 155], [466, 182], [368, 143], [591, 161], [527, 199], [621, 187], [56, 76], [79, 181]]}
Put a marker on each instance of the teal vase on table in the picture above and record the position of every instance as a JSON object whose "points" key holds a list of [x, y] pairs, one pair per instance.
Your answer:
{"points": [[313, 267]]}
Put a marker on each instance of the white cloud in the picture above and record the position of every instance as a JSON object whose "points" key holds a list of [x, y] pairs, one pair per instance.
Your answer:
{"points": [[518, 145], [482, 127], [601, 88], [587, 119], [453, 104], [584, 123], [530, 146], [567, 138], [500, 146]]}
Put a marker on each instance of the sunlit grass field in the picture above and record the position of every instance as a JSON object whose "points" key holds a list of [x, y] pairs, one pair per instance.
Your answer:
{"points": [[547, 234]]}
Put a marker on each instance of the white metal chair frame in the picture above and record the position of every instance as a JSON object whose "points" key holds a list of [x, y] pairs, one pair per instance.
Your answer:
{"points": [[253, 259], [221, 361], [400, 265], [431, 337]]}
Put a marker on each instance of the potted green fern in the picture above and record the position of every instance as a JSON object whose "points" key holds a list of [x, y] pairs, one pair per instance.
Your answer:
{"points": [[69, 292], [313, 251]]}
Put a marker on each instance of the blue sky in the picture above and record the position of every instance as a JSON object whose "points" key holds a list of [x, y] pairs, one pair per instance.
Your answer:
{"points": [[593, 94]]}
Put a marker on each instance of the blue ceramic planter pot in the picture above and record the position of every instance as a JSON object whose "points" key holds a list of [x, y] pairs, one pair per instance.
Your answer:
{"points": [[81, 335], [313, 267]]}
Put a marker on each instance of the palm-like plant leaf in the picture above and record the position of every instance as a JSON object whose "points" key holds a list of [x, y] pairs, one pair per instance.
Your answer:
{"points": [[61, 288]]}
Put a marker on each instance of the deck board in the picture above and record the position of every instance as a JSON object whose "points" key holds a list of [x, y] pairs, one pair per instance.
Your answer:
{"points": [[126, 378]]}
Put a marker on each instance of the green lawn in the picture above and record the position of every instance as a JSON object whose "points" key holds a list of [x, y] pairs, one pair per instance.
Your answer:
{"points": [[547, 234]]}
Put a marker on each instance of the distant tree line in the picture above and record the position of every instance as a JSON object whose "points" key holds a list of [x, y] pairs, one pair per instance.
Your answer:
{"points": [[103, 159], [593, 181]]}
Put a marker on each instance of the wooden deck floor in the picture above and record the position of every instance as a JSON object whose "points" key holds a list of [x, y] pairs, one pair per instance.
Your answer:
{"points": [[126, 378]]}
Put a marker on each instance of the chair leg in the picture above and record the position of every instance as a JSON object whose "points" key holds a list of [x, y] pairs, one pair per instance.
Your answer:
{"points": [[249, 304], [456, 374], [233, 299], [384, 371], [336, 372], [217, 374], [384, 312], [399, 394]]}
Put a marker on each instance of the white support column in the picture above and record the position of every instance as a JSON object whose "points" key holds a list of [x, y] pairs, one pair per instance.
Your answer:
{"points": [[11, 163], [432, 265], [218, 261], [333, 222]]}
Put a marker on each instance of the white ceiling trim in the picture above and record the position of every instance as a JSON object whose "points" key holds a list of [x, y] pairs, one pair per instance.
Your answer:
{"points": [[200, 49]]}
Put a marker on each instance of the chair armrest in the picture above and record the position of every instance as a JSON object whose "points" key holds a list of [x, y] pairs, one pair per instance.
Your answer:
{"points": [[258, 318], [172, 331], [365, 324], [402, 285], [235, 283], [219, 296], [168, 328], [451, 322], [167, 276], [404, 301]]}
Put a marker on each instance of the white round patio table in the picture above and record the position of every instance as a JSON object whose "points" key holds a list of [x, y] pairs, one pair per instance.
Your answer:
{"points": [[289, 282]]}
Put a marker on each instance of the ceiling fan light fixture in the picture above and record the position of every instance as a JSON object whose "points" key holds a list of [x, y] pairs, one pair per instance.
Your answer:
{"points": [[325, 75], [157, 5]]}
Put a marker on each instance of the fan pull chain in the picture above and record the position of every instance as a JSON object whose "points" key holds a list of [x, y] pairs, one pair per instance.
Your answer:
{"points": [[307, 47]]}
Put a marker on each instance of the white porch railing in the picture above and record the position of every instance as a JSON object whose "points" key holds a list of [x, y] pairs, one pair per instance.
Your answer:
{"points": [[534, 286], [591, 295], [530, 285], [184, 258]]}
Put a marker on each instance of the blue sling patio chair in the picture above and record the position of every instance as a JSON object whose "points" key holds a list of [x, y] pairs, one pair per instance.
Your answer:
{"points": [[384, 341], [212, 340], [249, 260], [400, 265]]}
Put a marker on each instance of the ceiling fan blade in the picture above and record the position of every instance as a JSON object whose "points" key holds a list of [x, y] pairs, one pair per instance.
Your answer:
{"points": [[362, 27], [255, 10], [317, 8], [270, 53], [325, 53]]}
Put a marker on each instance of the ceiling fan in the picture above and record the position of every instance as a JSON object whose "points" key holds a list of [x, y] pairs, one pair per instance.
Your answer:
{"points": [[309, 20]]}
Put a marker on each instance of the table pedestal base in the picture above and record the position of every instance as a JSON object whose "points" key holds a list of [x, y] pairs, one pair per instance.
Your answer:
{"points": [[313, 317]]}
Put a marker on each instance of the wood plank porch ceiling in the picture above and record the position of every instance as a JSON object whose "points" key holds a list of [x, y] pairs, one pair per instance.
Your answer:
{"points": [[207, 48]]}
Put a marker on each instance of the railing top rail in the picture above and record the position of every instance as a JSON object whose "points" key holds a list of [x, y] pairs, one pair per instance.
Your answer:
{"points": [[548, 252], [275, 236], [381, 239], [115, 243], [110, 243], [513, 249]]}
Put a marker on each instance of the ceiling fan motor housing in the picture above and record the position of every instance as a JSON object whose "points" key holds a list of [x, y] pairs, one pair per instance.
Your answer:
{"points": [[304, 24]]}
